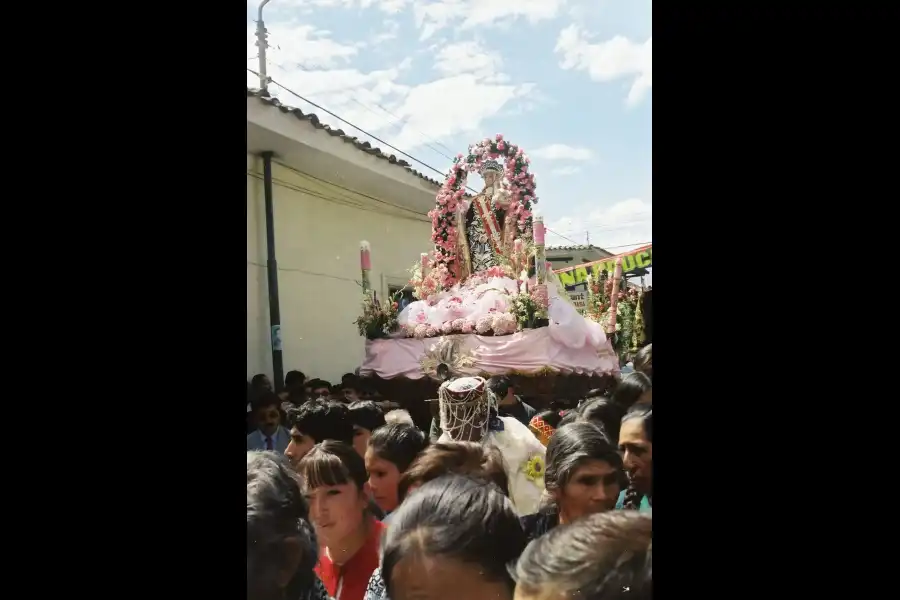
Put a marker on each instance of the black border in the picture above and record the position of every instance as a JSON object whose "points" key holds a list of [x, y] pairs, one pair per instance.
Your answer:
{"points": [[134, 181], [752, 346]]}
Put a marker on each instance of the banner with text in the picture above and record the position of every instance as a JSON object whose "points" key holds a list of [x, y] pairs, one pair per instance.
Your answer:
{"points": [[641, 258], [579, 299]]}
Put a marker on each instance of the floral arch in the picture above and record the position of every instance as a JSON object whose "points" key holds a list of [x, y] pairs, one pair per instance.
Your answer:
{"points": [[521, 188]]}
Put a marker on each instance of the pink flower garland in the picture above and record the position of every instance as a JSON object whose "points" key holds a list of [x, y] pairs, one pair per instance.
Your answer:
{"points": [[443, 216]]}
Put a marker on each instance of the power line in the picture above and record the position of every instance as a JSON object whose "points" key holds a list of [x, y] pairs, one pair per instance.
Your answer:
{"points": [[379, 140], [397, 120], [342, 120]]}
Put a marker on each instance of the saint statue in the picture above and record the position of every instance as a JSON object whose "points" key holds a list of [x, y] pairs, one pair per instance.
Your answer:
{"points": [[486, 230]]}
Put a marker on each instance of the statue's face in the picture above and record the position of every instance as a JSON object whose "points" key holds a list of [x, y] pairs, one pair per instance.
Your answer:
{"points": [[490, 177]]}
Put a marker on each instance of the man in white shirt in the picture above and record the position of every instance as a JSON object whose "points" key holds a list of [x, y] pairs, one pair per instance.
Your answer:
{"points": [[270, 435]]}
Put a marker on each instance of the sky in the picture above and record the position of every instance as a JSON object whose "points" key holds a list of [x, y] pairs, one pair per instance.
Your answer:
{"points": [[570, 81]]}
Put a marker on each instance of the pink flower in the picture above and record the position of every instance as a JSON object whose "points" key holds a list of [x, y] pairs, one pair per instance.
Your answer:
{"points": [[500, 145], [484, 324], [420, 318], [499, 137]]}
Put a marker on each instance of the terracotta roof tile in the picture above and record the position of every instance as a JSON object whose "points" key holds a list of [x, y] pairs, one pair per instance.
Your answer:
{"points": [[314, 120]]}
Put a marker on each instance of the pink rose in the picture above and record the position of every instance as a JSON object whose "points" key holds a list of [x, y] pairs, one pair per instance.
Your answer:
{"points": [[499, 137]]}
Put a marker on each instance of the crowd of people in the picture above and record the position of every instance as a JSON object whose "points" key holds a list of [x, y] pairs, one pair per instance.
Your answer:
{"points": [[347, 499]]}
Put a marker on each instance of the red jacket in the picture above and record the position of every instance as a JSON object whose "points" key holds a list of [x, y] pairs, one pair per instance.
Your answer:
{"points": [[356, 571]]}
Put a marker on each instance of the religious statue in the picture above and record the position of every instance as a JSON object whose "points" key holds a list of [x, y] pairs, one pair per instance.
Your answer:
{"points": [[485, 230]]}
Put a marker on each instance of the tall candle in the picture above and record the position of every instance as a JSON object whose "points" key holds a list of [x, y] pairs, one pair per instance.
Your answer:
{"points": [[424, 258], [539, 230], [614, 300], [365, 257]]}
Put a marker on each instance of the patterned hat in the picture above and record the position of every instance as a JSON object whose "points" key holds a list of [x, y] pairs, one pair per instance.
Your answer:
{"points": [[490, 165], [464, 388]]}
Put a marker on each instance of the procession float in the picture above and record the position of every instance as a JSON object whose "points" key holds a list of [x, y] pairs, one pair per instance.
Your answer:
{"points": [[485, 294]]}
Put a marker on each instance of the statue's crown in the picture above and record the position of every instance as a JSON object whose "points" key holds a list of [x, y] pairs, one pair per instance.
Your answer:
{"points": [[490, 165]]}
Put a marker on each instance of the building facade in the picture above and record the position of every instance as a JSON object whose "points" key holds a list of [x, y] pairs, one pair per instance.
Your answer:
{"points": [[330, 191]]}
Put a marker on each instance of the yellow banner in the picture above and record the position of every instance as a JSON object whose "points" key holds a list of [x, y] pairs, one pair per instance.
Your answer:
{"points": [[640, 258]]}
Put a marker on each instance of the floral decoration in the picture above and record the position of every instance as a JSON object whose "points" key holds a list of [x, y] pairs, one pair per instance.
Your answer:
{"points": [[452, 192], [378, 319], [534, 468], [530, 309], [629, 332]]}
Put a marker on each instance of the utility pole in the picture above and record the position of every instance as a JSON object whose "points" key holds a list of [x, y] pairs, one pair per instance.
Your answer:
{"points": [[272, 274], [261, 43]]}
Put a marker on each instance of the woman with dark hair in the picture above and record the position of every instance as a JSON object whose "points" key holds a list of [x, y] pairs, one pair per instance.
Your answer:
{"points": [[390, 452], [482, 463], [334, 478], [583, 476], [643, 361], [461, 458], [636, 445], [605, 414], [281, 545], [455, 538], [635, 388], [608, 556]]}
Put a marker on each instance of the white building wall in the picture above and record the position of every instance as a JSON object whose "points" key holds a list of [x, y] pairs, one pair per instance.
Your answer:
{"points": [[318, 228]]}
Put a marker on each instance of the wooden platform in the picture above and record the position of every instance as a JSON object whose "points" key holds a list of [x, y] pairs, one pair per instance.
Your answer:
{"points": [[538, 391]]}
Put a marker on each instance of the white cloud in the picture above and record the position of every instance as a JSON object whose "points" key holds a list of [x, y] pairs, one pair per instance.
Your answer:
{"points": [[450, 106], [566, 171], [409, 117], [303, 45], [435, 15], [613, 59], [468, 57], [392, 29], [617, 227], [387, 6], [562, 152]]}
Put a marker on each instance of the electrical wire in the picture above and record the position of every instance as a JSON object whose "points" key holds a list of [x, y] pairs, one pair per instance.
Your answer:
{"points": [[363, 131], [305, 272], [380, 141]]}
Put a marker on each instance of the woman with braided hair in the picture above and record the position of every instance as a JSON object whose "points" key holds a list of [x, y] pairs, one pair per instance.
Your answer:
{"points": [[636, 445]]}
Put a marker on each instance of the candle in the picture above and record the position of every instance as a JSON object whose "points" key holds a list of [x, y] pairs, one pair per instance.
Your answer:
{"points": [[539, 230], [614, 299], [424, 257], [517, 245], [365, 257]]}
